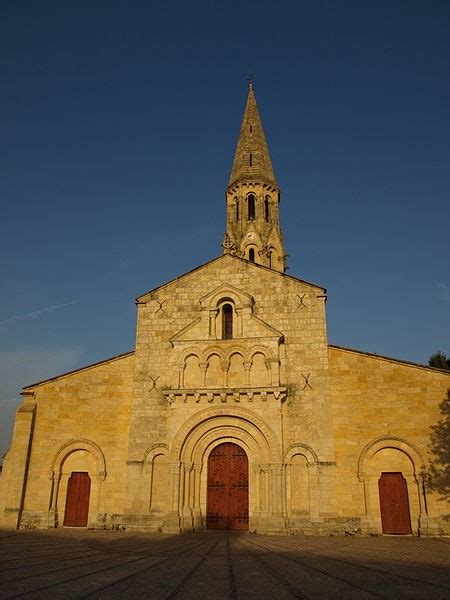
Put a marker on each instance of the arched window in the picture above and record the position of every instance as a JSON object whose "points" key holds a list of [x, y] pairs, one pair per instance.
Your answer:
{"points": [[267, 208], [251, 255], [237, 210], [251, 207], [250, 160], [227, 322], [270, 259]]}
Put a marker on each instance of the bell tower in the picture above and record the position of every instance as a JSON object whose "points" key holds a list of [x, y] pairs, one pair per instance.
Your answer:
{"points": [[253, 197]]}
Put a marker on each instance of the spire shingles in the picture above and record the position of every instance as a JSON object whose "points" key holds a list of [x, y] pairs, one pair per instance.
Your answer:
{"points": [[252, 158]]}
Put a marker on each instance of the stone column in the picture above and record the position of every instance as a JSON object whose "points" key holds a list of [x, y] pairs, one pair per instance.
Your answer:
{"points": [[256, 491], [314, 491], [187, 496], [197, 511], [101, 475], [247, 367], [238, 328], [273, 366], [288, 468], [55, 478], [181, 376], [203, 368], [172, 521], [212, 323], [265, 489], [277, 518], [225, 369]]}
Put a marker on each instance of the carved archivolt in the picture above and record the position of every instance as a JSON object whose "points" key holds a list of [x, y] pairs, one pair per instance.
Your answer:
{"points": [[155, 450], [245, 424], [411, 451], [304, 449], [74, 446], [226, 291]]}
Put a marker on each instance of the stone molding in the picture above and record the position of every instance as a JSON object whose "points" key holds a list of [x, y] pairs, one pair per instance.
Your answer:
{"points": [[234, 416], [390, 441], [74, 445], [225, 395]]}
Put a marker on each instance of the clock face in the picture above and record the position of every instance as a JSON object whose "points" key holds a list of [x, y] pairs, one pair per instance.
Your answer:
{"points": [[250, 235]]}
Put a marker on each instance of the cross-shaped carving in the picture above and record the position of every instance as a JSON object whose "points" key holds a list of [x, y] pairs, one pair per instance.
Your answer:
{"points": [[154, 380], [301, 303], [306, 378], [160, 307]]}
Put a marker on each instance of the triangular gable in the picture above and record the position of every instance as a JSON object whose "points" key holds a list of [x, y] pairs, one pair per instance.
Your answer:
{"points": [[142, 297]]}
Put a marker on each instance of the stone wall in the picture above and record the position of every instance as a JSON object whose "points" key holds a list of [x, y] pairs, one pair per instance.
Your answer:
{"points": [[383, 411], [77, 421]]}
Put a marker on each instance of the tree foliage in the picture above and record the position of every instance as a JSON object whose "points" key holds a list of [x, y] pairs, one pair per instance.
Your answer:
{"points": [[440, 448], [439, 360]]}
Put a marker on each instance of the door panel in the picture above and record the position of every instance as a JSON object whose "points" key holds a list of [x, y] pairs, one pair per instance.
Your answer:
{"points": [[394, 503], [77, 500], [227, 504]]}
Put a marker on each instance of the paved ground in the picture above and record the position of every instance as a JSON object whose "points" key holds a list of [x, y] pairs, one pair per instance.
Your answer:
{"points": [[75, 563]]}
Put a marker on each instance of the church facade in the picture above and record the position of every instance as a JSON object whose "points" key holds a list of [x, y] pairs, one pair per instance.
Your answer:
{"points": [[232, 411]]}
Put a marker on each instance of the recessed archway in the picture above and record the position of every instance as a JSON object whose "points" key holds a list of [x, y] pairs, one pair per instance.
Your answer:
{"points": [[196, 442]]}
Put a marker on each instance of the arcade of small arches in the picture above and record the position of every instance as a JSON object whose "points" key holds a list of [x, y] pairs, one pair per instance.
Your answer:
{"points": [[235, 367]]}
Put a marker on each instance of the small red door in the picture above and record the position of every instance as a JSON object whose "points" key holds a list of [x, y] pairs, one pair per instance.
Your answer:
{"points": [[227, 506], [77, 500], [394, 503]]}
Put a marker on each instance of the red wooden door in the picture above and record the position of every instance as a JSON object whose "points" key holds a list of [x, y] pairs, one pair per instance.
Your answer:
{"points": [[77, 500], [227, 505], [394, 503]]}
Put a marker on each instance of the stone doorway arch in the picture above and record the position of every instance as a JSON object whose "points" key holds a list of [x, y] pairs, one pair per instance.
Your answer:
{"points": [[188, 460], [392, 455]]}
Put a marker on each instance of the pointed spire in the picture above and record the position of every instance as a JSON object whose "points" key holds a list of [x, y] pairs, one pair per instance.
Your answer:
{"points": [[252, 158]]}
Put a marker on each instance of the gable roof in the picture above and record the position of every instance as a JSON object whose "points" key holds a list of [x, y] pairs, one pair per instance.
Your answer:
{"points": [[228, 257], [84, 368], [389, 358]]}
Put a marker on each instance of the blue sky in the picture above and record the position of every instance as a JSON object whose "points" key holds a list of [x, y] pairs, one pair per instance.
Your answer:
{"points": [[119, 122]]}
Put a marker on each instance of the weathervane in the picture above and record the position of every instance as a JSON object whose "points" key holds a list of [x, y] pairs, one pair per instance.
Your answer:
{"points": [[251, 78]]}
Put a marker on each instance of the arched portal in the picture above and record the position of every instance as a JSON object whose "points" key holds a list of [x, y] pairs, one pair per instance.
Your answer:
{"points": [[190, 469], [391, 471], [227, 501]]}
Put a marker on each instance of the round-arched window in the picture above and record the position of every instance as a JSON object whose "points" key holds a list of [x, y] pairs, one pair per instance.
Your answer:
{"points": [[227, 322], [267, 208], [251, 207]]}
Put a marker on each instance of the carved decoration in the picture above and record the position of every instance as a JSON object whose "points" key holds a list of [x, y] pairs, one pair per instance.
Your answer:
{"points": [[224, 395], [153, 380], [160, 306], [307, 384], [301, 301], [228, 244]]}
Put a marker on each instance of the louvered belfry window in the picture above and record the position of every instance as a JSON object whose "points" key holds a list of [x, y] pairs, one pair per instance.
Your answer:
{"points": [[251, 207]]}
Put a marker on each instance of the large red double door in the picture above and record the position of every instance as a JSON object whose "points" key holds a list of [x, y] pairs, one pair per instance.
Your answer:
{"points": [[227, 503]]}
